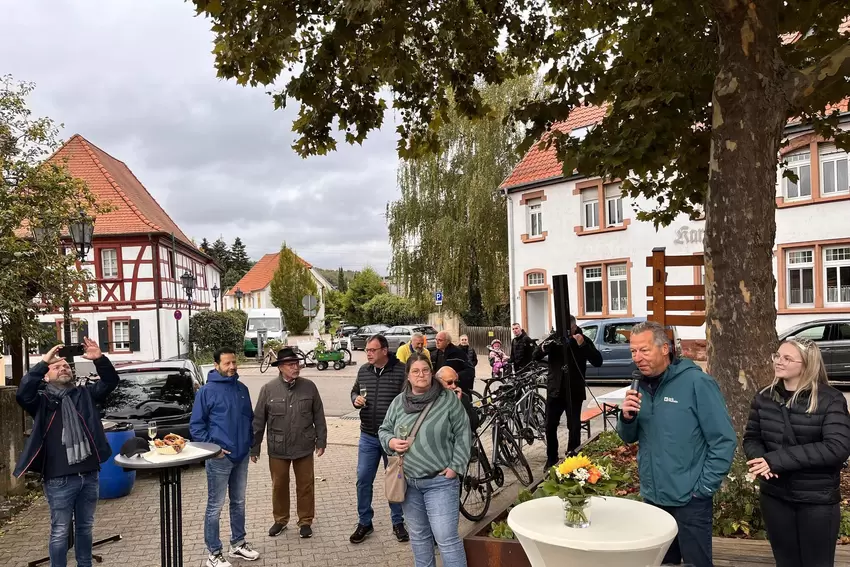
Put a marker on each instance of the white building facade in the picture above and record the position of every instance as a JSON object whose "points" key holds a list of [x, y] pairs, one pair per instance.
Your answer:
{"points": [[586, 229]]}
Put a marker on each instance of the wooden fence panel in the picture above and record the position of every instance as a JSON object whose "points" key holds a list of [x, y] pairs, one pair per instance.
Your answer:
{"points": [[481, 337]]}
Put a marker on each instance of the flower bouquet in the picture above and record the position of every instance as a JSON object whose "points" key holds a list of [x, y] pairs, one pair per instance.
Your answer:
{"points": [[575, 480]]}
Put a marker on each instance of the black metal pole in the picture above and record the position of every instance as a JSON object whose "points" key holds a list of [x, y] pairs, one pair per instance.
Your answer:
{"points": [[189, 324]]}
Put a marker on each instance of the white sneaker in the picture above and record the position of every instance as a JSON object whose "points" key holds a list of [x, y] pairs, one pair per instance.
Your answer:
{"points": [[243, 551], [217, 560]]}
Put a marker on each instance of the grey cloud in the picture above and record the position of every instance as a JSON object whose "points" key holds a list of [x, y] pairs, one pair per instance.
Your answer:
{"points": [[137, 79]]}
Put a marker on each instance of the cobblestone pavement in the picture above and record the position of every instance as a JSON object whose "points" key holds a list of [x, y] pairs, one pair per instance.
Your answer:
{"points": [[136, 517]]}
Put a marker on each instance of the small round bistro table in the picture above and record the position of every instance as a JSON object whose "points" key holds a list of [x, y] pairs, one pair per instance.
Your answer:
{"points": [[170, 493], [622, 533]]}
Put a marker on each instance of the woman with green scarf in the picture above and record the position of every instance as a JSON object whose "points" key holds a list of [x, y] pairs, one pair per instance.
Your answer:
{"points": [[431, 462]]}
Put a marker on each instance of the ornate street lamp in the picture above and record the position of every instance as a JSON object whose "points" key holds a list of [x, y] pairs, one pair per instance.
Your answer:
{"points": [[215, 290], [239, 295], [188, 281]]}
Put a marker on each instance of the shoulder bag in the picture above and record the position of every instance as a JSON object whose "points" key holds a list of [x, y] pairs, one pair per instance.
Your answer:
{"points": [[395, 484]]}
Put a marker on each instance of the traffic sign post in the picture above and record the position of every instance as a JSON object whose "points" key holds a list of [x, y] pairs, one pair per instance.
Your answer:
{"points": [[178, 314], [309, 303], [438, 298]]}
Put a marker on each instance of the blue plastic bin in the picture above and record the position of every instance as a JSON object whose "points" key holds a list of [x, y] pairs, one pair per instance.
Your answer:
{"points": [[115, 482]]}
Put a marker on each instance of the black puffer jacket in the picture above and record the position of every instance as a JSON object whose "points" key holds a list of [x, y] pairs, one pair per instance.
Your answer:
{"points": [[455, 358], [382, 387], [522, 350], [807, 457]]}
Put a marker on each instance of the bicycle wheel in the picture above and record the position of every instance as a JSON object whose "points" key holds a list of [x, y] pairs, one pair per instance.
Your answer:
{"points": [[266, 362], [475, 490], [346, 355], [516, 461]]}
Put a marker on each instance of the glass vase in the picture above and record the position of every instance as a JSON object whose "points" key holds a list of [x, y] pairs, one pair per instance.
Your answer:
{"points": [[577, 512]]}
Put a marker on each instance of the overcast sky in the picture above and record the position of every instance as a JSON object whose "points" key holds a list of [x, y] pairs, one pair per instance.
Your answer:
{"points": [[137, 79]]}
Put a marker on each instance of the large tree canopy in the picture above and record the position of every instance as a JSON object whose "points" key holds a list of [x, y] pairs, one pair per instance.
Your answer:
{"points": [[698, 94]]}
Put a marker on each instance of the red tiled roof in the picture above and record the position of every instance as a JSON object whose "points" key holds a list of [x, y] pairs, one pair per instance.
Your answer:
{"points": [[541, 164], [261, 274], [112, 182]]}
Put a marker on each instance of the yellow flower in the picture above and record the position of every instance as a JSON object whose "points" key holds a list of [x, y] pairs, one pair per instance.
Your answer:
{"points": [[573, 463]]}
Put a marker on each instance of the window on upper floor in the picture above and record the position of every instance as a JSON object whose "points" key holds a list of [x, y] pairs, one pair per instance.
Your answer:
{"points": [[121, 335], [613, 205], [801, 277], [590, 208], [834, 172], [109, 262], [535, 278], [837, 272], [800, 165], [534, 220]]}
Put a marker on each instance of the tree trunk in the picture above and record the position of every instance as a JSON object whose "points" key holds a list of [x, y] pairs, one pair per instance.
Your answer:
{"points": [[16, 353], [748, 120]]}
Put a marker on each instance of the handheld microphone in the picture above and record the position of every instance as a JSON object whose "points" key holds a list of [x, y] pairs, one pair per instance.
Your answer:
{"points": [[636, 378]]}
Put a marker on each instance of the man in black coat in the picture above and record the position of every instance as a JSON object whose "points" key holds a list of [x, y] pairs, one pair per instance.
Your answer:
{"points": [[565, 386], [522, 347], [449, 354], [67, 445]]}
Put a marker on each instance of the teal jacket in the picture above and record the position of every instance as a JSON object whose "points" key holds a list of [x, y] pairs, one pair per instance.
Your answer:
{"points": [[685, 434]]}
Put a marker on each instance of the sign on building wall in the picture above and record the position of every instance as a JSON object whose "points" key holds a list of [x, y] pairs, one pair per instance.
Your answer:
{"points": [[689, 235]]}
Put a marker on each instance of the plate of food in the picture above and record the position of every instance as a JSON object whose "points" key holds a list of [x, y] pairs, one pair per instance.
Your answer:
{"points": [[171, 444]]}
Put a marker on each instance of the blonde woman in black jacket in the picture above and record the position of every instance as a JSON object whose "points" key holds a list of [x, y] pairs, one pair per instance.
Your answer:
{"points": [[797, 439]]}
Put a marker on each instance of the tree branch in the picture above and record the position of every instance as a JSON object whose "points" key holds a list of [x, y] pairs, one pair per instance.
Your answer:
{"points": [[803, 85]]}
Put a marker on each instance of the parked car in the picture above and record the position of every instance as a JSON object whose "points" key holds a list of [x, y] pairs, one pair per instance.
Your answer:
{"points": [[833, 338], [358, 338], [161, 391], [611, 337], [346, 330], [401, 334]]}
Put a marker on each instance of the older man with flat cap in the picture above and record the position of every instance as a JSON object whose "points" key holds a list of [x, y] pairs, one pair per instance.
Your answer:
{"points": [[291, 408]]}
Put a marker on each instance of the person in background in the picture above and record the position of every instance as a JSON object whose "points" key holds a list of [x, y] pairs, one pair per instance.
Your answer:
{"points": [[292, 409], [797, 440], [67, 446], [448, 378], [685, 438], [471, 355], [432, 461], [565, 385], [522, 347], [449, 354], [498, 358], [416, 344], [377, 385], [222, 415]]}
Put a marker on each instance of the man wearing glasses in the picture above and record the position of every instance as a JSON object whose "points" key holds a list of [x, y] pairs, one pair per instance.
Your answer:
{"points": [[377, 385]]}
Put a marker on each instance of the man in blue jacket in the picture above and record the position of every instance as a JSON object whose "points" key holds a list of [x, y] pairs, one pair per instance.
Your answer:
{"points": [[686, 440], [223, 415], [67, 445]]}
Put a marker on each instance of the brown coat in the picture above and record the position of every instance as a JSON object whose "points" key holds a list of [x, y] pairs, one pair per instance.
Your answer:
{"points": [[295, 419]]}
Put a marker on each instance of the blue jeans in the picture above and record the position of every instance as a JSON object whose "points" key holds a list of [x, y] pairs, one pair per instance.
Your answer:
{"points": [[70, 496], [369, 454], [223, 476], [431, 506], [693, 543]]}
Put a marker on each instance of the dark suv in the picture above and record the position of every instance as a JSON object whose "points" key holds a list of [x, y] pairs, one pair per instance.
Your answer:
{"points": [[833, 338], [162, 391]]}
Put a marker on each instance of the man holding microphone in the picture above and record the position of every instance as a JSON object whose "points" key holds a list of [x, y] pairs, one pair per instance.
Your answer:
{"points": [[686, 441]]}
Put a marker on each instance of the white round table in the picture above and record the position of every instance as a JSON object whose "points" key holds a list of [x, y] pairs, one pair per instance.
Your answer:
{"points": [[622, 533]]}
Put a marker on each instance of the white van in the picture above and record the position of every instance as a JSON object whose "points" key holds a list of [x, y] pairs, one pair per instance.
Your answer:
{"points": [[269, 319]]}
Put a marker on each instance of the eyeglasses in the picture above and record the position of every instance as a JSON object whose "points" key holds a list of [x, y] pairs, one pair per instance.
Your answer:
{"points": [[373, 350], [452, 383], [783, 359], [419, 372]]}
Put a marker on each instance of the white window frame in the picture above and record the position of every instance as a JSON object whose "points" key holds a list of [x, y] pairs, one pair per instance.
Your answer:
{"points": [[800, 264], [613, 206], [621, 279], [831, 158], [840, 259], [534, 219], [539, 279], [797, 163], [124, 344], [113, 268], [593, 278]]}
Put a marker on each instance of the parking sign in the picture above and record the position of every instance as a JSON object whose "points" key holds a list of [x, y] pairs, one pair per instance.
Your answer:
{"points": [[438, 298]]}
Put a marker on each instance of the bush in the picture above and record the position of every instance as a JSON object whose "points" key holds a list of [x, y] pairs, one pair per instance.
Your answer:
{"points": [[736, 505], [391, 310], [211, 330]]}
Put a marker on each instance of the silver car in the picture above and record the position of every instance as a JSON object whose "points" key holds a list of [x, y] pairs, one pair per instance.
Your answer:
{"points": [[401, 334]]}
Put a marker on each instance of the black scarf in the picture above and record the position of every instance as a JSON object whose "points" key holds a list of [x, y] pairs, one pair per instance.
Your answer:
{"points": [[415, 403]]}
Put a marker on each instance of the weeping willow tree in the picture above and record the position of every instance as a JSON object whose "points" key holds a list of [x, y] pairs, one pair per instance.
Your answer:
{"points": [[448, 230]]}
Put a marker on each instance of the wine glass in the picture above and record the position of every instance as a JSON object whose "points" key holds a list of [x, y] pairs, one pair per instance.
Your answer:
{"points": [[363, 392], [152, 430], [403, 431]]}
